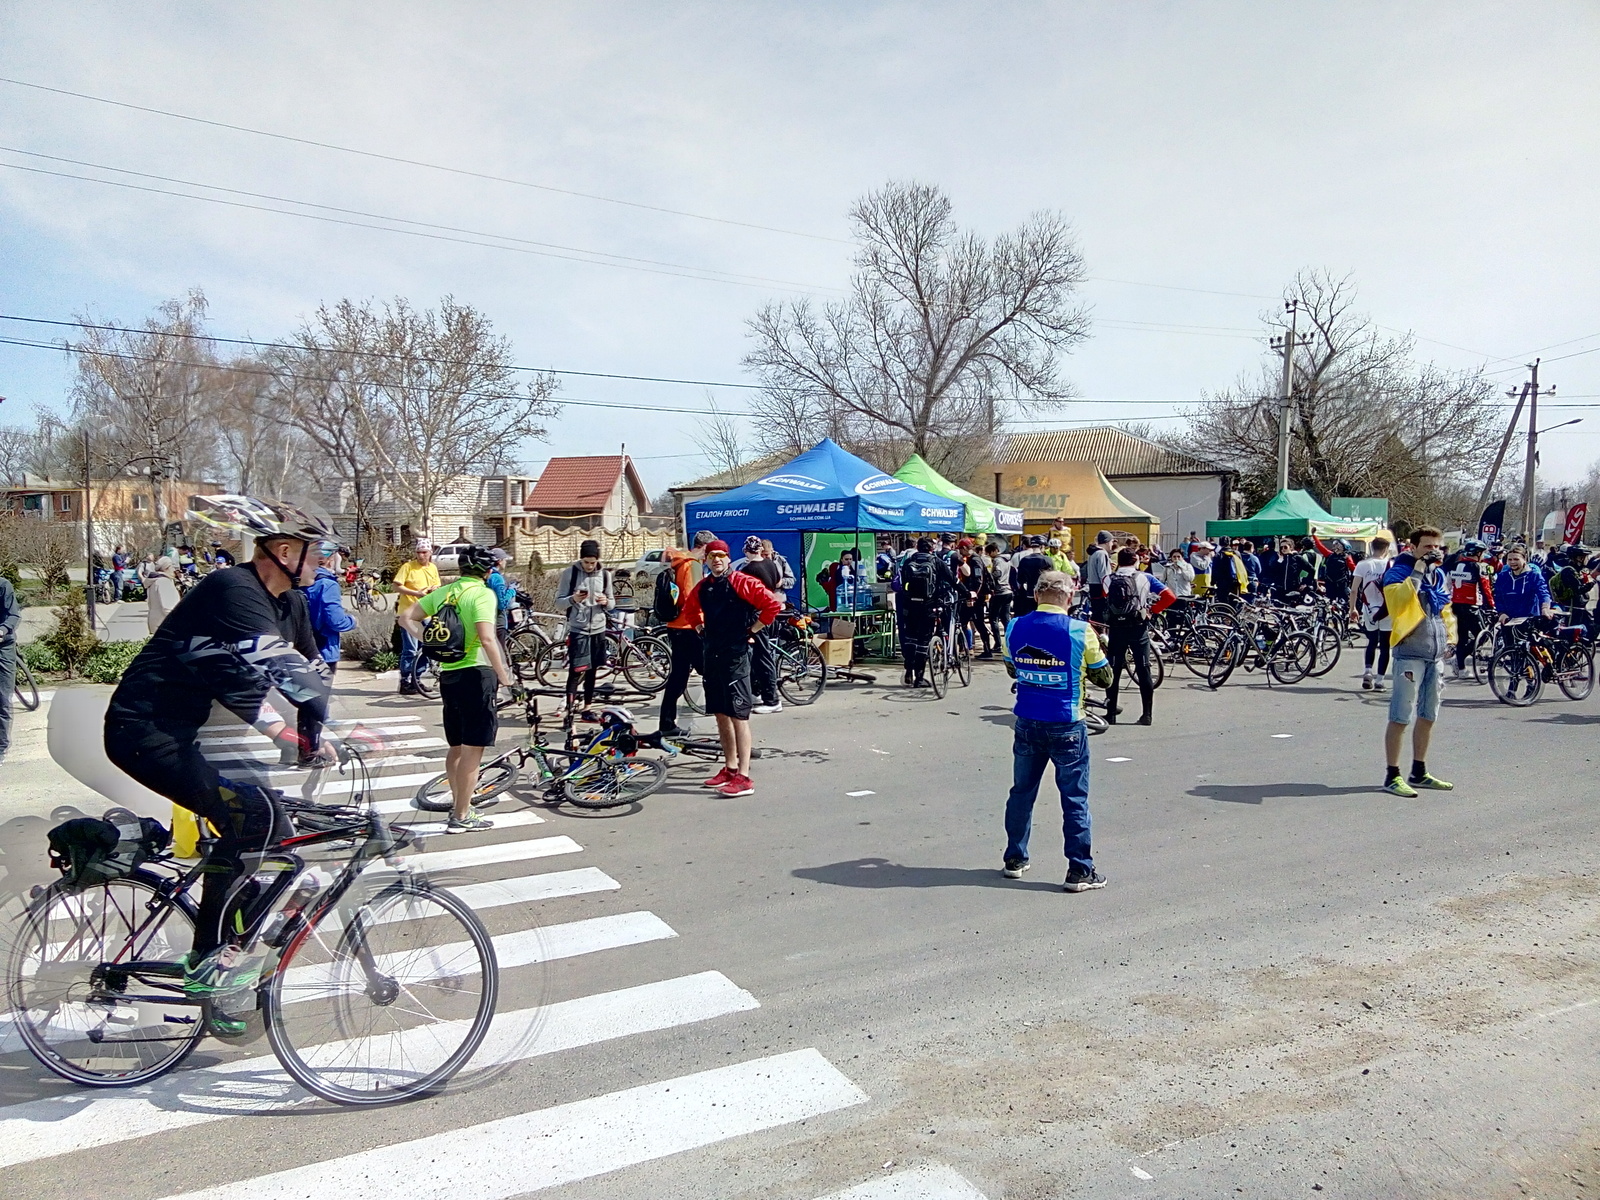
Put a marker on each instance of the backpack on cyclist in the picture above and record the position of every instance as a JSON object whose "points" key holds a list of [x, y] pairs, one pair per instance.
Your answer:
{"points": [[90, 851], [1123, 598], [918, 576], [444, 636], [665, 602]]}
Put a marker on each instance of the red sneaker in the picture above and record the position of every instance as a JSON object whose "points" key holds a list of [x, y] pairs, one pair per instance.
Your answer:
{"points": [[720, 778], [738, 785]]}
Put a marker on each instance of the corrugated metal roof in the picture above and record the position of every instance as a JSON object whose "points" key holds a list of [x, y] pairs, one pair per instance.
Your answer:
{"points": [[1116, 452]]}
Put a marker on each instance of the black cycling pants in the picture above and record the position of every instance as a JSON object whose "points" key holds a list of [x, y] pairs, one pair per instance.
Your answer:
{"points": [[1130, 639], [1378, 647], [999, 618], [687, 656], [245, 817], [971, 616], [916, 618], [763, 668], [1469, 623]]}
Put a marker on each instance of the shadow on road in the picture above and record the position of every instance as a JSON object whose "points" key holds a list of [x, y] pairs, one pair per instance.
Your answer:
{"points": [[1255, 793], [881, 873], [1567, 718]]}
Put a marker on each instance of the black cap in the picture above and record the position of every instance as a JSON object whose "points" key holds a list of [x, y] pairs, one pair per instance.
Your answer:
{"points": [[589, 549]]}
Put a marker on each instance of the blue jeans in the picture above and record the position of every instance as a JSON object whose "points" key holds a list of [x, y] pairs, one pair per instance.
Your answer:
{"points": [[410, 652], [1067, 745]]}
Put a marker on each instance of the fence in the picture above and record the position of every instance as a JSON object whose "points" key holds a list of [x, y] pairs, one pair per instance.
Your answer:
{"points": [[556, 546]]}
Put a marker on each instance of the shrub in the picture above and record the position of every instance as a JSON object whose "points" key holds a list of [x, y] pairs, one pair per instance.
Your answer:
{"points": [[71, 639], [41, 657], [384, 660], [53, 568], [108, 660]]}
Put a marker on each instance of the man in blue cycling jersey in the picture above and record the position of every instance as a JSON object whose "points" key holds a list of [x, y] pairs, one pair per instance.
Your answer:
{"points": [[1049, 654]]}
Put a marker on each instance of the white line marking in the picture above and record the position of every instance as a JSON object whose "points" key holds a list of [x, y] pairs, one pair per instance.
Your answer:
{"points": [[526, 889], [510, 820], [930, 1182], [66, 1124], [1140, 1173], [249, 756], [861, 793], [1119, 760], [499, 852], [261, 739], [1276, 735], [560, 1145]]}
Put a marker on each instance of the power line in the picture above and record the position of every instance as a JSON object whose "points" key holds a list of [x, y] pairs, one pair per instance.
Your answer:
{"points": [[706, 274], [413, 162]]}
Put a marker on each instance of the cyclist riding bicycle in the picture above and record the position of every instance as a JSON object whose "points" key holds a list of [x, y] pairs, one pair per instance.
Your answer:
{"points": [[240, 632]]}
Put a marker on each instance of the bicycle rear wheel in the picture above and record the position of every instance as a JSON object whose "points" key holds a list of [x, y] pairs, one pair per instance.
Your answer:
{"points": [[1574, 671], [962, 659], [1293, 658], [1198, 645], [550, 666], [383, 1000], [602, 783], [494, 780], [94, 1026], [428, 680], [1329, 645], [646, 663], [1515, 677], [801, 673], [27, 690], [938, 668], [522, 651]]}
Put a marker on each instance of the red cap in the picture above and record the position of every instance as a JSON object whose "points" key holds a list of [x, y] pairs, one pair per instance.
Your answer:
{"points": [[719, 544]]}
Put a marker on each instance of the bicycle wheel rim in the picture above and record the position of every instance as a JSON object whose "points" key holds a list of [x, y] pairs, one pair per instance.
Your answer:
{"points": [[522, 652], [1575, 673], [1293, 658], [615, 783], [405, 1028], [26, 689], [802, 678], [694, 695], [646, 664], [1328, 647], [494, 780], [65, 935], [938, 670], [1224, 661], [963, 666], [1515, 678]]}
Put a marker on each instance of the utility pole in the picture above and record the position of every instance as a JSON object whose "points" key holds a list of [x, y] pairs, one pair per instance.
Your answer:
{"points": [[88, 532], [1286, 392], [1529, 500], [1499, 458]]}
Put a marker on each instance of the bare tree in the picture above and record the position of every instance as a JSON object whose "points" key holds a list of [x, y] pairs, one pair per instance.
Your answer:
{"points": [[447, 401], [1368, 421], [722, 441], [941, 335], [149, 396]]}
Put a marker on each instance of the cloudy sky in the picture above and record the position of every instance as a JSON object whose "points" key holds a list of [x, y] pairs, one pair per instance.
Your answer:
{"points": [[1444, 154]]}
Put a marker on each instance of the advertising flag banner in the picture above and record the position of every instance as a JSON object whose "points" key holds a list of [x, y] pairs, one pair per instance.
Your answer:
{"points": [[1492, 521], [1576, 515]]}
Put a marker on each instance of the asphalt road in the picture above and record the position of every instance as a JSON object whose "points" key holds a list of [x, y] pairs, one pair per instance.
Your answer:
{"points": [[1295, 984]]}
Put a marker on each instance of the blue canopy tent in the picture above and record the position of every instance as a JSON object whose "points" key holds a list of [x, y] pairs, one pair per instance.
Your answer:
{"points": [[825, 490]]}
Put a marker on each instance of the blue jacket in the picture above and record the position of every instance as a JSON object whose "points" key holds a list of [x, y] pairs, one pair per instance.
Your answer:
{"points": [[505, 593], [1427, 641], [1522, 595], [328, 617], [1252, 568], [1051, 652]]}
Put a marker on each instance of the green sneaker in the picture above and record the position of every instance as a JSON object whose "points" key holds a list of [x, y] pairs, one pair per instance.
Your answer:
{"points": [[1399, 787], [226, 1025], [225, 970], [1432, 783]]}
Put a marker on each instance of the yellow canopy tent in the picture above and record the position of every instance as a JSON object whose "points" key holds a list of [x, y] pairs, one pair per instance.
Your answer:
{"points": [[1076, 492]]}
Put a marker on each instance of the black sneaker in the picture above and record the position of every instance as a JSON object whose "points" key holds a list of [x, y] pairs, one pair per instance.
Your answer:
{"points": [[409, 689], [1079, 880], [1015, 867]]}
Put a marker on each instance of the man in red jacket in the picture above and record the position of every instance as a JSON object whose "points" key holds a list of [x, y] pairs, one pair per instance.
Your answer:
{"points": [[728, 607]]}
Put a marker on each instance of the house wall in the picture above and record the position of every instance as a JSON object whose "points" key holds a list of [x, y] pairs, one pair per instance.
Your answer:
{"points": [[1180, 502]]}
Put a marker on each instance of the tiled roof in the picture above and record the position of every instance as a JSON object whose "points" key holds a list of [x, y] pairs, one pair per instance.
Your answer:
{"points": [[1115, 451], [582, 484]]}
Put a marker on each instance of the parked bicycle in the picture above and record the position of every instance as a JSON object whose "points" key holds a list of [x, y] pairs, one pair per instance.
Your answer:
{"points": [[1267, 641], [24, 685], [366, 596], [372, 993], [1529, 656]]}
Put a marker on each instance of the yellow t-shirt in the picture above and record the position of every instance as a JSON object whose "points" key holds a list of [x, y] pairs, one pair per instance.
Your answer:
{"points": [[421, 577]]}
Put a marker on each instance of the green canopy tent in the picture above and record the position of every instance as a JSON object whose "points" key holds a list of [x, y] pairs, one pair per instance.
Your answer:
{"points": [[983, 516], [1293, 513]]}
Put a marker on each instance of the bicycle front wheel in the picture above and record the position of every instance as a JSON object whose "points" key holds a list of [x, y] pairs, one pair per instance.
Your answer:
{"points": [[962, 657], [523, 647], [383, 1000], [95, 981], [494, 780], [938, 668], [1293, 658], [1227, 657], [27, 690], [1574, 671], [1515, 677], [1329, 645], [801, 673], [600, 783], [646, 663]]}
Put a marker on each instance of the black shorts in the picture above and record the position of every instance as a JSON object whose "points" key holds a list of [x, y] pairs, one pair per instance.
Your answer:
{"points": [[727, 684], [586, 651], [469, 716]]}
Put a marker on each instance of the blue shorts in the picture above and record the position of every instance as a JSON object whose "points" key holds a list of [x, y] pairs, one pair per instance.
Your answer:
{"points": [[1415, 684]]}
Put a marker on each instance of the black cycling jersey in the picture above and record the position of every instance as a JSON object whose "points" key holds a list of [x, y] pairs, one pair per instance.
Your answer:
{"points": [[230, 641]]}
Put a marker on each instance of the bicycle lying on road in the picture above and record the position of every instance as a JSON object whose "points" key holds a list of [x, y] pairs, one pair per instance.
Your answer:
{"points": [[371, 994]]}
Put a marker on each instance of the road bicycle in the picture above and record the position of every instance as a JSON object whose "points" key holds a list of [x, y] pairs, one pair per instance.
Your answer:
{"points": [[365, 595], [375, 989], [1528, 657], [802, 674], [580, 776], [642, 658], [24, 685]]}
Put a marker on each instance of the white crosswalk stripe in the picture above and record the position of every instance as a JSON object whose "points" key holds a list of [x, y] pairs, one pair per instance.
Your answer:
{"points": [[510, 820], [260, 739], [573, 1141], [499, 852], [258, 1086]]}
